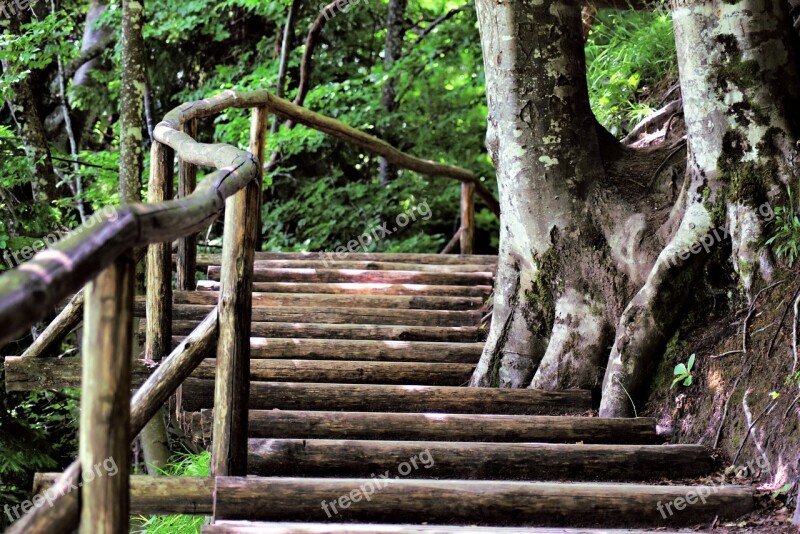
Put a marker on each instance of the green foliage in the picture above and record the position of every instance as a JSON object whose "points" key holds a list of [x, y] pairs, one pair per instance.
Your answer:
{"points": [[629, 55], [187, 465], [38, 432], [785, 239], [683, 372]]}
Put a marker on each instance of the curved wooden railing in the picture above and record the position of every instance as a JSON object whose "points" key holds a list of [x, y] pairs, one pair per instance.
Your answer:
{"points": [[103, 256]]}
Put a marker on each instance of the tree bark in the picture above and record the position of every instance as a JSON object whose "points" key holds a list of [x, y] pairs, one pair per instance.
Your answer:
{"points": [[542, 141], [582, 260], [739, 80], [395, 31], [154, 437], [25, 114], [132, 102]]}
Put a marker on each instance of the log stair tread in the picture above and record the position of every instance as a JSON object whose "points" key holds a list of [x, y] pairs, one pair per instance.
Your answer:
{"points": [[359, 363]]}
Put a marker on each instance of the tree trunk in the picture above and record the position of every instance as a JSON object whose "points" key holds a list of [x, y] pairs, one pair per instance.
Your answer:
{"points": [[395, 32], [134, 56], [154, 437], [585, 258], [739, 80], [25, 114], [542, 140]]}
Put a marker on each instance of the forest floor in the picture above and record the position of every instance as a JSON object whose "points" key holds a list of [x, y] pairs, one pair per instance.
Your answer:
{"points": [[745, 405]]}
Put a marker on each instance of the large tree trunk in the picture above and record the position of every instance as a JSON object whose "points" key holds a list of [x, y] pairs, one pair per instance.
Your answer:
{"points": [[395, 32], [739, 80], [548, 314], [585, 260], [153, 437]]}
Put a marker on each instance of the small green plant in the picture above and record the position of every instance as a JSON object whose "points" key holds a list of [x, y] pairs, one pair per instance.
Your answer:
{"points": [[683, 372], [786, 238], [782, 491]]}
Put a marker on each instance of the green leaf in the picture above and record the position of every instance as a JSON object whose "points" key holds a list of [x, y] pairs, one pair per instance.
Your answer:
{"points": [[691, 363], [688, 381], [680, 369], [674, 382]]}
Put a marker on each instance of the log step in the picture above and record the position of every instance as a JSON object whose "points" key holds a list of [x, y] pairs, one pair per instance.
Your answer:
{"points": [[350, 288], [321, 315], [198, 394], [333, 276], [476, 461], [292, 424], [426, 501], [36, 374], [351, 331], [376, 265], [430, 259], [415, 302], [475, 502], [251, 527], [351, 372], [362, 350]]}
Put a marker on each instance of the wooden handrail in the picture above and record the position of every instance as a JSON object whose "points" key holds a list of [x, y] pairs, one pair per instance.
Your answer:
{"points": [[103, 254], [31, 290]]}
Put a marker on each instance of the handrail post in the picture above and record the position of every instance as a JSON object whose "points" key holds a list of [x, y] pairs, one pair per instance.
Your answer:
{"points": [[467, 217], [158, 303], [105, 404], [232, 385], [159, 260], [187, 246]]}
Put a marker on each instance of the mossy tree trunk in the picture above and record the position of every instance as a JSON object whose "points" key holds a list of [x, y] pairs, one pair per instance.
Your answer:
{"points": [[154, 439], [586, 263]]}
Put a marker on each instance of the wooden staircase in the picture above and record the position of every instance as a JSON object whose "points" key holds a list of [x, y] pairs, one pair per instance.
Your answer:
{"points": [[360, 420]]}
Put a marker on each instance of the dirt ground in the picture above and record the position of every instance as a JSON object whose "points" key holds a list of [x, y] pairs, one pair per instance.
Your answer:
{"points": [[744, 405]]}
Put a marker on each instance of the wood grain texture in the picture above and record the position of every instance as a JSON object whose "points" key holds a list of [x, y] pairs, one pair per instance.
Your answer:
{"points": [[377, 265], [361, 276], [105, 401], [66, 321], [29, 374], [159, 261], [457, 334], [351, 372], [24, 374], [157, 495], [406, 302], [474, 502], [449, 427], [187, 246], [467, 235], [205, 260], [360, 289], [478, 461], [64, 514], [232, 386], [254, 527], [198, 394], [334, 315]]}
